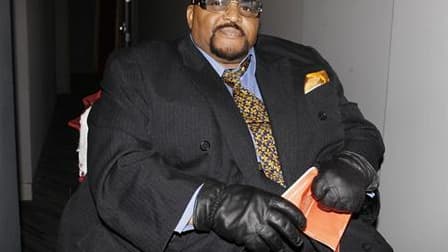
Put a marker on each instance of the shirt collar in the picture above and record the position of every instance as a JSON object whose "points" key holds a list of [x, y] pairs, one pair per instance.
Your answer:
{"points": [[219, 69]]}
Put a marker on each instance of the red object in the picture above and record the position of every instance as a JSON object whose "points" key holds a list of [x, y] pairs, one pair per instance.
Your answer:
{"points": [[87, 101], [81, 179]]}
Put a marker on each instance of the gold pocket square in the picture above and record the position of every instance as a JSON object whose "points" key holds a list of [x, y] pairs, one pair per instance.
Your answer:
{"points": [[314, 80]]}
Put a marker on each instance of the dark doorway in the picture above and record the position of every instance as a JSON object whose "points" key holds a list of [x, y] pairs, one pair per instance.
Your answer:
{"points": [[160, 19], [94, 28]]}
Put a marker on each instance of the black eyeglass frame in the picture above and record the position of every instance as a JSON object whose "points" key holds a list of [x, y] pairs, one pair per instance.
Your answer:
{"points": [[203, 5]]}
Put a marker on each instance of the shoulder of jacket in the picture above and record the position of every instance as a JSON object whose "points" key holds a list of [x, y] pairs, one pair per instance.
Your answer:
{"points": [[278, 47]]}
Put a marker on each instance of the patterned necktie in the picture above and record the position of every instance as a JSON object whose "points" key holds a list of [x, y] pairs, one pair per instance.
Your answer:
{"points": [[256, 117]]}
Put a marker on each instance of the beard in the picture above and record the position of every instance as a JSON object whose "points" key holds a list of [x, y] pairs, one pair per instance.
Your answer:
{"points": [[228, 52]]}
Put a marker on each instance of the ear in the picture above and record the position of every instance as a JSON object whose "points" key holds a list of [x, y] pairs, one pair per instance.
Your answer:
{"points": [[190, 15]]}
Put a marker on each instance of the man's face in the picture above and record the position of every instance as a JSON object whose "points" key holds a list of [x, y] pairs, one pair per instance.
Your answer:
{"points": [[227, 36]]}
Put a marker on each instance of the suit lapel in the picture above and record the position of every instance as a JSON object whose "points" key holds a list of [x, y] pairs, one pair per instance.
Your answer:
{"points": [[231, 124], [281, 84]]}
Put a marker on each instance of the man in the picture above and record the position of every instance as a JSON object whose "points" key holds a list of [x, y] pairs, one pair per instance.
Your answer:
{"points": [[193, 141]]}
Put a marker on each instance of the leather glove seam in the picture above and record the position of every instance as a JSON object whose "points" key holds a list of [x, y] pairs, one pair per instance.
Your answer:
{"points": [[364, 166], [214, 208]]}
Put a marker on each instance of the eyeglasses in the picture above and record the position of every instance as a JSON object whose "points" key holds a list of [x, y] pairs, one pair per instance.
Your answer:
{"points": [[248, 8]]}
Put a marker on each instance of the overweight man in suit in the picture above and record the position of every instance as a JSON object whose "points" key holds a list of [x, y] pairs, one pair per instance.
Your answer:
{"points": [[194, 141]]}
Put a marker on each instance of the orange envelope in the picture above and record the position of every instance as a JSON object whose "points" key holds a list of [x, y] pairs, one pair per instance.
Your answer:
{"points": [[323, 226]]}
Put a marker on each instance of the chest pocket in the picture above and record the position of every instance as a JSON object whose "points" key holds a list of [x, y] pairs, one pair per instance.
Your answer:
{"points": [[324, 111]]}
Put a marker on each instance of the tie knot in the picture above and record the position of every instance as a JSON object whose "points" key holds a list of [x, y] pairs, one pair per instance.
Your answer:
{"points": [[232, 76]]}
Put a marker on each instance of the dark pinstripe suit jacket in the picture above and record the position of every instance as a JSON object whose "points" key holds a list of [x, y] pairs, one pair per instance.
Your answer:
{"points": [[166, 123]]}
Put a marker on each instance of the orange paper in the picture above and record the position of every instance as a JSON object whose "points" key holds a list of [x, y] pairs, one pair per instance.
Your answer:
{"points": [[324, 226]]}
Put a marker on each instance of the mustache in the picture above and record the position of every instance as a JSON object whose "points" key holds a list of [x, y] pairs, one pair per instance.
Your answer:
{"points": [[231, 25]]}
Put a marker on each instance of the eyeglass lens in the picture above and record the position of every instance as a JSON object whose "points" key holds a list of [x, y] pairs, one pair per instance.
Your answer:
{"points": [[247, 7]]}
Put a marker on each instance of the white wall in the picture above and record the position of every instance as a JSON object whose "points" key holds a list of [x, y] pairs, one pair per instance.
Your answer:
{"points": [[414, 179], [401, 87], [354, 36], [282, 18]]}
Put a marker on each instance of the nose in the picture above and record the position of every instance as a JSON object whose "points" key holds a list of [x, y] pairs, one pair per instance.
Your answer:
{"points": [[233, 12]]}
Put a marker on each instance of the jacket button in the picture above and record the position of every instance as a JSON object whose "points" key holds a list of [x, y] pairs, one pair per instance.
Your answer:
{"points": [[322, 116], [205, 145]]}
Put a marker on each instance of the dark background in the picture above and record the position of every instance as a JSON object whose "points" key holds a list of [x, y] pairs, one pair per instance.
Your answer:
{"points": [[52, 53]]}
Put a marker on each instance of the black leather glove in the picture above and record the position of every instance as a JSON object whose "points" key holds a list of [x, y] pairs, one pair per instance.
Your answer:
{"points": [[249, 217], [342, 182]]}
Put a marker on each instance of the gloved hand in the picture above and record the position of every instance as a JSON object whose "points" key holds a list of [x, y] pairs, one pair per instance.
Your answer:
{"points": [[247, 216], [340, 186]]}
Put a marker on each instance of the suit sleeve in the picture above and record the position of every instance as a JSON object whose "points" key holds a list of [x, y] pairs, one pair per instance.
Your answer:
{"points": [[360, 135], [139, 193]]}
